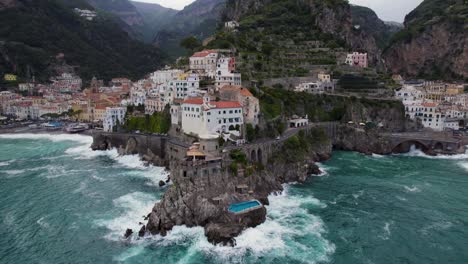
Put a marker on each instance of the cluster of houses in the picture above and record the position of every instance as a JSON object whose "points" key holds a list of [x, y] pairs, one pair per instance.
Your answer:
{"points": [[437, 105], [323, 84], [222, 108], [86, 14]]}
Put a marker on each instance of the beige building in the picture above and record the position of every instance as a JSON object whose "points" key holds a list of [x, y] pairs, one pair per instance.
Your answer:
{"points": [[250, 104]]}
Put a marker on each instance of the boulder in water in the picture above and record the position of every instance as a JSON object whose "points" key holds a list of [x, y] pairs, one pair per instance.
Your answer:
{"points": [[161, 183], [128, 233], [142, 231]]}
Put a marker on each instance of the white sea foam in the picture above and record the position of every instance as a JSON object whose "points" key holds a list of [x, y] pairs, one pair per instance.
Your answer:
{"points": [[14, 172], [42, 223], [323, 169], [412, 189], [414, 152], [377, 156], [387, 232], [6, 163], [52, 137], [129, 211], [279, 236], [358, 194]]}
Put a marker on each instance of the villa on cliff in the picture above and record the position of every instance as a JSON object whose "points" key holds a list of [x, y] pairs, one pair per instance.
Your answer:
{"points": [[207, 119]]}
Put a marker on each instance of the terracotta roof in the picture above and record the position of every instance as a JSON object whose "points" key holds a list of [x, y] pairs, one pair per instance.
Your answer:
{"points": [[100, 107], [197, 101], [243, 91], [222, 104], [226, 104], [203, 53], [429, 104]]}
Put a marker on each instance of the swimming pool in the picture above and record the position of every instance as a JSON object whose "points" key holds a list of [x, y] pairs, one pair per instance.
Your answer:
{"points": [[244, 206]]}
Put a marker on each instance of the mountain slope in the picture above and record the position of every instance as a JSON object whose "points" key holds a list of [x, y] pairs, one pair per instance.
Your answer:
{"points": [[154, 16], [292, 38], [34, 31], [434, 42], [331, 17], [367, 20], [199, 19]]}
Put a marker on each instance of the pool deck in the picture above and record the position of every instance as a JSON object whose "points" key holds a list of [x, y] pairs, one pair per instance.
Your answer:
{"points": [[248, 209]]}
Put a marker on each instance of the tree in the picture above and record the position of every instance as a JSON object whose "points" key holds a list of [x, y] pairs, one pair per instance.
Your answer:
{"points": [[190, 43]]}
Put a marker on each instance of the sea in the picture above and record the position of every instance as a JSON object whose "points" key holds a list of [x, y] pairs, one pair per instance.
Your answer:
{"points": [[60, 202]]}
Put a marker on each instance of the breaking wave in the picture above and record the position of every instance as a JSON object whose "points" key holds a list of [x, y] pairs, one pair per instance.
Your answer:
{"points": [[290, 232], [130, 210], [414, 152]]}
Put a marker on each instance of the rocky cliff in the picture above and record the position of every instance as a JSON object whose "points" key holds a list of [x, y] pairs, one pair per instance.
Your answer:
{"points": [[203, 198], [434, 42]]}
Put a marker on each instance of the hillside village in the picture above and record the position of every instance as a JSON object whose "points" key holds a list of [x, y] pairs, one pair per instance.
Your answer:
{"points": [[205, 99]]}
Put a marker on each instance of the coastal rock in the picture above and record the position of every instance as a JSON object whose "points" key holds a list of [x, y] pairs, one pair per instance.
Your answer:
{"points": [[142, 231], [128, 233], [161, 183]]}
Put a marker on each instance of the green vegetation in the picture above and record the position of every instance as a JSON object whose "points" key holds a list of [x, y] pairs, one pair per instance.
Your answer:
{"points": [[298, 147], [279, 40], [36, 31], [159, 122]]}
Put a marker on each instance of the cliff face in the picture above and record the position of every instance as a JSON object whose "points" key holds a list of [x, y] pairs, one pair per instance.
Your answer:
{"points": [[122, 8], [434, 42], [368, 21], [203, 199]]}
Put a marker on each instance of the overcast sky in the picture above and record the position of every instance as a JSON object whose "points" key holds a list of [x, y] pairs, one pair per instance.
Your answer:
{"points": [[389, 10]]}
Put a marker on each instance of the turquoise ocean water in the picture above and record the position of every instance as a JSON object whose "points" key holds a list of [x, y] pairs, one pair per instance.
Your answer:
{"points": [[62, 203]]}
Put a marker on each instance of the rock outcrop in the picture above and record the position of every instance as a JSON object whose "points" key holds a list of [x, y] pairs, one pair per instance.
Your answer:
{"points": [[204, 199]]}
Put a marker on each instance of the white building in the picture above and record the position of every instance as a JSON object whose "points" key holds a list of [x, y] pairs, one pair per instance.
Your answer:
{"points": [[66, 83], [231, 24], [184, 87], [160, 77], [225, 73], [431, 116], [137, 95], [452, 124], [86, 14], [208, 119], [113, 116], [409, 94], [204, 61]]}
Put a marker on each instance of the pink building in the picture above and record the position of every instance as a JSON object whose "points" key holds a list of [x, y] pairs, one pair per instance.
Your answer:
{"points": [[357, 59]]}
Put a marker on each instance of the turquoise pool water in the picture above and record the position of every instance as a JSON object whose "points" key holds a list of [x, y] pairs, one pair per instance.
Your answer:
{"points": [[239, 207]]}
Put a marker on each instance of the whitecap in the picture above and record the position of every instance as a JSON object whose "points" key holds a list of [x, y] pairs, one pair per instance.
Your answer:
{"points": [[377, 156], [414, 152], [412, 189], [386, 231], [42, 223], [52, 137], [6, 163], [358, 194], [129, 211], [323, 169], [279, 236], [14, 172]]}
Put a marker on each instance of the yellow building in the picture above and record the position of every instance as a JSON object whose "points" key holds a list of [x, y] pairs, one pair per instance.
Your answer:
{"points": [[10, 77], [453, 89]]}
